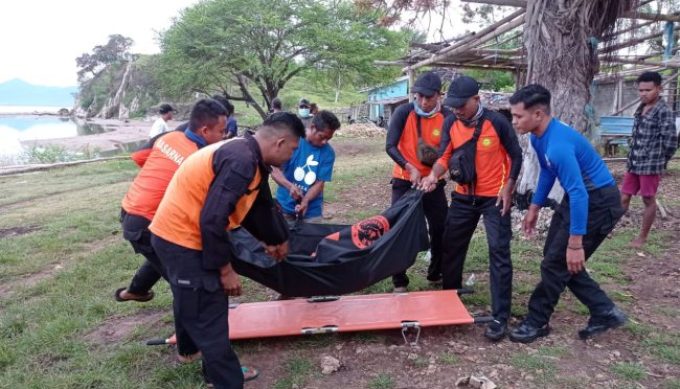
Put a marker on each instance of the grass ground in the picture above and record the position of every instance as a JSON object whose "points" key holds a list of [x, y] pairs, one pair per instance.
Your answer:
{"points": [[62, 256]]}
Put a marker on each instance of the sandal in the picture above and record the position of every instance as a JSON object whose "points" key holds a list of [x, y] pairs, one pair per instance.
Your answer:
{"points": [[248, 375], [144, 298]]}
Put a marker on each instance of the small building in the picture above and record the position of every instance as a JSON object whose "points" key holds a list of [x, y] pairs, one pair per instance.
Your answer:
{"points": [[382, 100]]}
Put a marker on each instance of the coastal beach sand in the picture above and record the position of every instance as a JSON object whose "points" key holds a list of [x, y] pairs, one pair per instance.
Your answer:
{"points": [[122, 135]]}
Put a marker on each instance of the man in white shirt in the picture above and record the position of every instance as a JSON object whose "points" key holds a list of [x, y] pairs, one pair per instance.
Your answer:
{"points": [[160, 125]]}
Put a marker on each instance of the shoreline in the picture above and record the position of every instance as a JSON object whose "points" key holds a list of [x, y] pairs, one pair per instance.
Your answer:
{"points": [[124, 135], [37, 110], [35, 113]]}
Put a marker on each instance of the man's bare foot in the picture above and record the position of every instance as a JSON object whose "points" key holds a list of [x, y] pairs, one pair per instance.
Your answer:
{"points": [[637, 242]]}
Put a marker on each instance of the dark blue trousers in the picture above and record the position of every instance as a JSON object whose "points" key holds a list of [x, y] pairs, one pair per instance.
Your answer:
{"points": [[136, 231], [461, 222]]}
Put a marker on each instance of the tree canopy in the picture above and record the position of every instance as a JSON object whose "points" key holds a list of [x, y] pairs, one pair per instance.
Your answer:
{"points": [[259, 45], [115, 50]]}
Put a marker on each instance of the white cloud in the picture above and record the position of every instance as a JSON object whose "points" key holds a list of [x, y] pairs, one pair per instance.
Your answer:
{"points": [[41, 39]]}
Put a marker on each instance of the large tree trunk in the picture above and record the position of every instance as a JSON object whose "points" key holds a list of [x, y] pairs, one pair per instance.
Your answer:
{"points": [[248, 96], [561, 38]]}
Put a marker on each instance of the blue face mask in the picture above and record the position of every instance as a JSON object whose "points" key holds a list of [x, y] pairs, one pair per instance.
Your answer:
{"points": [[303, 112], [421, 113]]}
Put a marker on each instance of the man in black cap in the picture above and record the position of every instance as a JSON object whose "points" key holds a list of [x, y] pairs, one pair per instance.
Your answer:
{"points": [[160, 126], [413, 140], [483, 143]]}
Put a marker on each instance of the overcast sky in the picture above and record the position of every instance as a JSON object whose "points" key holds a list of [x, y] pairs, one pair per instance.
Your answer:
{"points": [[40, 39]]}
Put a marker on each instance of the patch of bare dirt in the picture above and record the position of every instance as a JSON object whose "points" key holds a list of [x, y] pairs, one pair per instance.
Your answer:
{"points": [[9, 287], [655, 289], [445, 354], [119, 328], [16, 231]]}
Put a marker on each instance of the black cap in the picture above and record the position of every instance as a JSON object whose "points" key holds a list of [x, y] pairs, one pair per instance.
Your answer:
{"points": [[165, 108], [427, 84], [303, 103], [460, 90]]}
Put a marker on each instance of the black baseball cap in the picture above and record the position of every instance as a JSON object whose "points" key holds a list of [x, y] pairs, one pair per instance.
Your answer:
{"points": [[460, 90], [427, 84], [165, 108], [303, 103]]}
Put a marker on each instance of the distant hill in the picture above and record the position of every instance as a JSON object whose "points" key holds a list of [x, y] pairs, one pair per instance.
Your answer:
{"points": [[19, 92]]}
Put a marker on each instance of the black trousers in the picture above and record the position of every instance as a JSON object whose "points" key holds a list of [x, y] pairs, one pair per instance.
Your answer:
{"points": [[461, 222], [201, 311], [136, 231], [604, 210], [434, 205]]}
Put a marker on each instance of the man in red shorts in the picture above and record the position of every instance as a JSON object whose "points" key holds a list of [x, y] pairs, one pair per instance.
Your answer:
{"points": [[653, 144]]}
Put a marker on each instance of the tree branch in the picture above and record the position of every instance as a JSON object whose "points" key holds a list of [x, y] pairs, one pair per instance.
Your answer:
{"points": [[244, 89]]}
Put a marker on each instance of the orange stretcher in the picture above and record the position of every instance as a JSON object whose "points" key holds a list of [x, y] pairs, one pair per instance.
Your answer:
{"points": [[318, 315]]}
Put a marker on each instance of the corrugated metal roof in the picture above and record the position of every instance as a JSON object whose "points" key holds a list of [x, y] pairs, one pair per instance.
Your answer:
{"points": [[393, 100]]}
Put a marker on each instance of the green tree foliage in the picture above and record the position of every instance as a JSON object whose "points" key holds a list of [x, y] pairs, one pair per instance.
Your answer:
{"points": [[495, 80], [116, 50], [259, 45]]}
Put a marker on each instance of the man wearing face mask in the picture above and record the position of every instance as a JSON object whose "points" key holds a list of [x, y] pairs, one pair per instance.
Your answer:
{"points": [[494, 158], [305, 112], [413, 140]]}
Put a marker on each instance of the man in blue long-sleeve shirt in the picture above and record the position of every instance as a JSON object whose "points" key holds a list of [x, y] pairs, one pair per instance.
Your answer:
{"points": [[588, 213]]}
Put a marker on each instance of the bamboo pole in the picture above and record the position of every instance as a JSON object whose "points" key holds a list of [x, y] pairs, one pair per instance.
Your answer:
{"points": [[19, 169], [602, 77], [505, 3], [649, 16], [637, 101], [629, 29], [411, 81], [442, 55], [632, 42], [667, 64], [451, 65], [505, 40], [478, 37]]}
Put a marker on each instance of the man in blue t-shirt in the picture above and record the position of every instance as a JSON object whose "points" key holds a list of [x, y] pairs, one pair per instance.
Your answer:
{"points": [[587, 214], [301, 180]]}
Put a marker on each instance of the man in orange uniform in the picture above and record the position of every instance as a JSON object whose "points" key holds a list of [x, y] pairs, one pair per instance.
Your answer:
{"points": [[212, 193], [412, 142], [159, 159], [496, 159]]}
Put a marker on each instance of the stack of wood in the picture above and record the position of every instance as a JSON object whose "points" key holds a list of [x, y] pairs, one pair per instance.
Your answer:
{"points": [[361, 130]]}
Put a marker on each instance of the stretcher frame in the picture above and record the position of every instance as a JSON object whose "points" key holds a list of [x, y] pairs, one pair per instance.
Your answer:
{"points": [[409, 312]]}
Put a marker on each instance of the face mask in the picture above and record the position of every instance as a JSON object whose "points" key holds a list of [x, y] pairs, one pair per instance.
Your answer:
{"points": [[303, 112], [421, 113]]}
